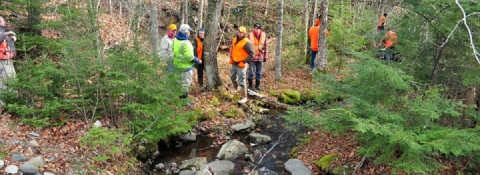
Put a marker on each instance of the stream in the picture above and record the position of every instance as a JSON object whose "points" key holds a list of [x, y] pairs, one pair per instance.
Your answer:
{"points": [[267, 158]]}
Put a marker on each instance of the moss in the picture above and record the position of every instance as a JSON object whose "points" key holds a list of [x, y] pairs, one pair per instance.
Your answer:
{"points": [[309, 95], [215, 102], [304, 139], [290, 96], [209, 114], [234, 111], [293, 154], [145, 150], [325, 161]]}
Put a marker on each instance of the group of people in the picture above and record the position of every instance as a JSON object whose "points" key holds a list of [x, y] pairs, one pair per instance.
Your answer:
{"points": [[390, 39], [248, 51]]}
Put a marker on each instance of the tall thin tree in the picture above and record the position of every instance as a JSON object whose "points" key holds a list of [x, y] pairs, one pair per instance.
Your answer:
{"points": [[200, 13], [322, 38], [211, 65], [305, 28], [314, 17], [154, 26], [278, 50]]}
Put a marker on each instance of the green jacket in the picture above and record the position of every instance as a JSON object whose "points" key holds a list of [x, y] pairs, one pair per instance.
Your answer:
{"points": [[183, 57]]}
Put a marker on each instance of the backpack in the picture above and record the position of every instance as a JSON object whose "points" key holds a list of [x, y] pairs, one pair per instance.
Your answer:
{"points": [[7, 49]]}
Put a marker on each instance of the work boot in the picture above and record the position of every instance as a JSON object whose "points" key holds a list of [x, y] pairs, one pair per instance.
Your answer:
{"points": [[244, 96], [257, 85], [235, 87], [202, 88], [250, 84], [184, 95]]}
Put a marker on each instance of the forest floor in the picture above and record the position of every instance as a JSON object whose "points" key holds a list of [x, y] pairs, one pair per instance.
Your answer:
{"points": [[62, 143]]}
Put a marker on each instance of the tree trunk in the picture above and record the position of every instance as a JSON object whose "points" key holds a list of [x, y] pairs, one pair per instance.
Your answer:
{"points": [[154, 28], [200, 14], [278, 50], [437, 56], [322, 38], [314, 12], [305, 28], [266, 8], [184, 12], [211, 65]]}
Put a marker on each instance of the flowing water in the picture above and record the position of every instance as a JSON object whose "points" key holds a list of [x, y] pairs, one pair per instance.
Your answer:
{"points": [[268, 158]]}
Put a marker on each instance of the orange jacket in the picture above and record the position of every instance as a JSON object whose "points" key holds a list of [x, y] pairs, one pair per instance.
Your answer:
{"points": [[199, 48], [313, 34], [390, 39], [257, 43]]}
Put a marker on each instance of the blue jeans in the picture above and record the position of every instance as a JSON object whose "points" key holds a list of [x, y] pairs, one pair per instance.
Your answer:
{"points": [[257, 68], [312, 60]]}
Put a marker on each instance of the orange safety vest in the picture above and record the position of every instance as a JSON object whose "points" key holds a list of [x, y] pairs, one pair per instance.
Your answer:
{"points": [[313, 34], [199, 48], [257, 44], [5, 52], [238, 53], [382, 21], [390, 39]]}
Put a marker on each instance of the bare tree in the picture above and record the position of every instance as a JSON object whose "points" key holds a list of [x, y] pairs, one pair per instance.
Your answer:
{"points": [[211, 65], [154, 26], [278, 50], [266, 8], [314, 12], [305, 28], [184, 12], [322, 38], [200, 14]]}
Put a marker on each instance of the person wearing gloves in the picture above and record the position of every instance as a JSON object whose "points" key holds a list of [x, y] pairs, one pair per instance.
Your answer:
{"points": [[183, 57], [241, 53]]}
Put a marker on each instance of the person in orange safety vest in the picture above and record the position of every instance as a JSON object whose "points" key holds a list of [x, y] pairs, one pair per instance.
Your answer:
{"points": [[313, 36], [389, 42], [241, 53], [198, 52], [382, 22], [259, 41]]}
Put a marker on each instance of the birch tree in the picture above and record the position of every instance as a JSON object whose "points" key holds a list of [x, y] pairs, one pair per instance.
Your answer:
{"points": [[322, 38], [211, 65], [314, 12], [278, 50], [184, 12]]}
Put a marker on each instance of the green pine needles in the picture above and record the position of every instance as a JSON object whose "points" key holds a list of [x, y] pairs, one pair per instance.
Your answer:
{"points": [[397, 122]]}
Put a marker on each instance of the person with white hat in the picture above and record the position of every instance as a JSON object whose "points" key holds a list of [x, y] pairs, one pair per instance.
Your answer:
{"points": [[183, 57]]}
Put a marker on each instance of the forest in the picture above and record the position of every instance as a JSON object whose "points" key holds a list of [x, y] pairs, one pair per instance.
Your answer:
{"points": [[91, 95]]}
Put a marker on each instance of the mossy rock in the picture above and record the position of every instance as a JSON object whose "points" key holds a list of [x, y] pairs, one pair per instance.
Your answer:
{"points": [[234, 111], [309, 95], [144, 151], [290, 97], [325, 161], [293, 154]]}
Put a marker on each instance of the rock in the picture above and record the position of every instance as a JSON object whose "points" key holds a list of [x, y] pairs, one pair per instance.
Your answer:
{"points": [[11, 169], [28, 168], [296, 167], [33, 143], [259, 138], [195, 162], [37, 161], [221, 166], [48, 173], [159, 166], [34, 135], [15, 142], [232, 149], [2, 142], [204, 171], [240, 126], [2, 163], [19, 158], [97, 124], [190, 136], [187, 172]]}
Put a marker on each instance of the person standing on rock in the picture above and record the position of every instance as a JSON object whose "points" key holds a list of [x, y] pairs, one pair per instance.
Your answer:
{"points": [[259, 41], [166, 46], [7, 52], [241, 53], [183, 58], [198, 52]]}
